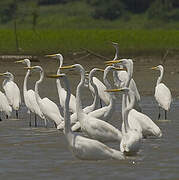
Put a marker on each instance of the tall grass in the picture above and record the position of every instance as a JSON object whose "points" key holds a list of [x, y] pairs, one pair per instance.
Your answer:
{"points": [[131, 41]]}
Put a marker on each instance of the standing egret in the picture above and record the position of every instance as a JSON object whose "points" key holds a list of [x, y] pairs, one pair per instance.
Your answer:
{"points": [[137, 120], [83, 147], [131, 138], [93, 127], [48, 108], [122, 78], [74, 120], [106, 112], [95, 103], [29, 95], [4, 105], [61, 90], [12, 91], [162, 92]]}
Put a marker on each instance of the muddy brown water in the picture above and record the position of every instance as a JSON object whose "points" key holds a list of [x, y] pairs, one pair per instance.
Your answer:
{"points": [[42, 153]]}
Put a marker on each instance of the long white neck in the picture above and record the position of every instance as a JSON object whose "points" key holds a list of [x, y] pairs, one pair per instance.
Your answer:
{"points": [[127, 109], [161, 76], [25, 80], [58, 72], [78, 92], [37, 96], [117, 52], [66, 110], [96, 95], [108, 86]]}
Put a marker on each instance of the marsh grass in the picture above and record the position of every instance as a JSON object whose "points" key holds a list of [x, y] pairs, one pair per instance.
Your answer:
{"points": [[64, 41]]}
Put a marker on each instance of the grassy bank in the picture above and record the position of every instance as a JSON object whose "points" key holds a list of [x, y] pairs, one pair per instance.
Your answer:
{"points": [[65, 41]]}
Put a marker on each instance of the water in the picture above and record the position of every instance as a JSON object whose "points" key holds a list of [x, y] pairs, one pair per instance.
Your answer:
{"points": [[40, 153]]}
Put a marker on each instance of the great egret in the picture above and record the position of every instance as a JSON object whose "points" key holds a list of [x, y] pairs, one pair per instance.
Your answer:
{"points": [[12, 91], [123, 76], [138, 120], [83, 147], [93, 127], [162, 92], [106, 112], [131, 138], [48, 108], [4, 105], [61, 90], [87, 109], [29, 95]]}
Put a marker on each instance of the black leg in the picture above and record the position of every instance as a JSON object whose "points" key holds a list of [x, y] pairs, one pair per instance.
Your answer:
{"points": [[55, 124], [35, 120], [159, 114], [7, 117], [100, 101], [17, 115], [165, 114], [30, 120], [0, 117]]}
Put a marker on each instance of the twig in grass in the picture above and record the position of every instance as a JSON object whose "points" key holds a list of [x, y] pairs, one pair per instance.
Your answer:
{"points": [[95, 54], [164, 58]]}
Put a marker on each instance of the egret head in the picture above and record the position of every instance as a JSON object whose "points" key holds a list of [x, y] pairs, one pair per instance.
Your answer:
{"points": [[24, 61], [77, 67], [7, 75], [159, 68], [35, 68]]}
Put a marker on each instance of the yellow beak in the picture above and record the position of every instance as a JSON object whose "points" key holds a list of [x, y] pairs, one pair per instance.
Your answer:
{"points": [[20, 61], [113, 90], [113, 61], [154, 68], [67, 67], [55, 75], [32, 67], [1, 74], [51, 55]]}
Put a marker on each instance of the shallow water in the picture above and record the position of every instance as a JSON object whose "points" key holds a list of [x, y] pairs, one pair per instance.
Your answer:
{"points": [[42, 153]]}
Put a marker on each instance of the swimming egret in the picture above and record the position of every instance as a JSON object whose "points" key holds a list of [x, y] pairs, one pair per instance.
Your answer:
{"points": [[12, 91], [29, 95], [162, 92], [83, 147], [49, 108]]}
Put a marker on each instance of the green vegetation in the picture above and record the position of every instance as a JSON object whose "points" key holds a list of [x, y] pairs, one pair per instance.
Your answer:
{"points": [[131, 42], [44, 26]]}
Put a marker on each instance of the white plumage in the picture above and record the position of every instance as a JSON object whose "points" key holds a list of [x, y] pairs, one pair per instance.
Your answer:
{"points": [[4, 105], [82, 147]]}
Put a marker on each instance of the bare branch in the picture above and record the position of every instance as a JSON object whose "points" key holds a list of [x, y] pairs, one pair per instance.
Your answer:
{"points": [[95, 54]]}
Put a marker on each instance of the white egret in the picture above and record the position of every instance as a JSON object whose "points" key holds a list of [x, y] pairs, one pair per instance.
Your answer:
{"points": [[12, 91], [83, 147], [87, 109], [29, 95], [131, 137], [4, 105], [162, 92], [93, 127], [48, 108], [138, 120], [106, 112], [94, 105], [61, 90], [122, 77]]}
